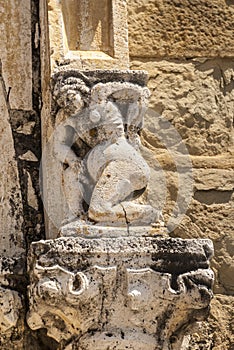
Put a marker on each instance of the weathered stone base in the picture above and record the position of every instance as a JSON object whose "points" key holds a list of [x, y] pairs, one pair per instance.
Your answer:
{"points": [[119, 293]]}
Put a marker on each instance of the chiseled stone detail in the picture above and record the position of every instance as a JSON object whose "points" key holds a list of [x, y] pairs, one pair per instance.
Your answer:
{"points": [[88, 34], [96, 145], [119, 293]]}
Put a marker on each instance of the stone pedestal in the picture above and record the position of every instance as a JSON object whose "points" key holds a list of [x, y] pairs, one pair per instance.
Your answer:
{"points": [[120, 292]]}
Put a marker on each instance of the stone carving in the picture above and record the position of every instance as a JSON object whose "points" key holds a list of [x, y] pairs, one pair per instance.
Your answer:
{"points": [[101, 286], [136, 293], [97, 142]]}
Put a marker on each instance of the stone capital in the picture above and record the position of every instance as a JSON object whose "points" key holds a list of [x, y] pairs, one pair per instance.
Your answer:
{"points": [[110, 293]]}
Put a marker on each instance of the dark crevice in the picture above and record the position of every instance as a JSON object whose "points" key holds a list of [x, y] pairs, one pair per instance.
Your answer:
{"points": [[126, 219]]}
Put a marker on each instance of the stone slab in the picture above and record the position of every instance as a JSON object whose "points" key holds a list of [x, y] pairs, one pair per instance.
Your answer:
{"points": [[11, 236], [16, 52]]}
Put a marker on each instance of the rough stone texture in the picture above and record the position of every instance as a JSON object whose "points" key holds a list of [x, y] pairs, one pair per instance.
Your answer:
{"points": [[218, 332], [197, 98], [181, 28], [177, 92], [99, 42], [11, 236], [11, 311], [93, 165], [209, 129], [16, 51], [135, 292], [21, 207], [10, 305]]}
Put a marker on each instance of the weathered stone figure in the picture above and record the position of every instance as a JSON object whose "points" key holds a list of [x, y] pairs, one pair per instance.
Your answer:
{"points": [[106, 117]]}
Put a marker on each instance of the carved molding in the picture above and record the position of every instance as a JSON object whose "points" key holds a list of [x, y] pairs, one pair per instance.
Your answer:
{"points": [[140, 292]]}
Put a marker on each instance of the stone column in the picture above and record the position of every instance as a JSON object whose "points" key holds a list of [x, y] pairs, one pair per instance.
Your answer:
{"points": [[108, 276]]}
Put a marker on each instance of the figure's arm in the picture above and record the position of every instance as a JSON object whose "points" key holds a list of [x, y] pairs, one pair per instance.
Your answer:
{"points": [[63, 140]]}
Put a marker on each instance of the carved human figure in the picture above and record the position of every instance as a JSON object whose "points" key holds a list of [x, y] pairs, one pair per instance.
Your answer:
{"points": [[107, 118]]}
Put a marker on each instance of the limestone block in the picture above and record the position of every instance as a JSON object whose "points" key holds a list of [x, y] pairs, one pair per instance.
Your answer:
{"points": [[88, 34], [181, 28], [214, 179], [196, 98], [135, 292], [216, 222], [183, 93], [11, 236], [16, 52]]}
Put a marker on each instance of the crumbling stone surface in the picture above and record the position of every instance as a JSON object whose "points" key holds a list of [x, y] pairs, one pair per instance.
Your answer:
{"points": [[206, 129], [181, 28], [196, 98], [16, 51], [115, 293], [21, 207], [218, 332]]}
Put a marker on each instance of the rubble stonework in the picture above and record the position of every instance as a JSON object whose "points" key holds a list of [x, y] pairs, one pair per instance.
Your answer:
{"points": [[11, 300]]}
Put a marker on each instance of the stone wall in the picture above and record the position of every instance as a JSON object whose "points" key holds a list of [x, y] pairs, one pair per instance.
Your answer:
{"points": [[187, 47], [21, 206]]}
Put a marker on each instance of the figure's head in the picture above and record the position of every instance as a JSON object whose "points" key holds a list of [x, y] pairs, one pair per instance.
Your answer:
{"points": [[69, 94]]}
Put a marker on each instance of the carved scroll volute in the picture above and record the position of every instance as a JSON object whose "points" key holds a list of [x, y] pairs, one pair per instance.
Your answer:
{"points": [[68, 304]]}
